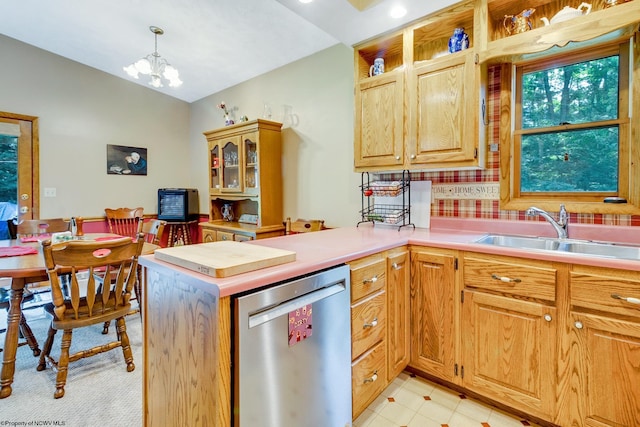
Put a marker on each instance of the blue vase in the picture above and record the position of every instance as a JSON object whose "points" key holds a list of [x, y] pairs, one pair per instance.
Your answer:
{"points": [[458, 41]]}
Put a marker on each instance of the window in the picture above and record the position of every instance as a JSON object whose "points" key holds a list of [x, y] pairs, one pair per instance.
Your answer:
{"points": [[571, 137]]}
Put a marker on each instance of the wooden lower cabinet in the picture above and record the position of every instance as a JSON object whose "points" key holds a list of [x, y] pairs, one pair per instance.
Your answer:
{"points": [[605, 347], [434, 312], [379, 323], [510, 351], [220, 231], [398, 315], [606, 360]]}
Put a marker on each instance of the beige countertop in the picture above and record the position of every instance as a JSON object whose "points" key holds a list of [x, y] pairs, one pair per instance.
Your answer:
{"points": [[324, 249]]}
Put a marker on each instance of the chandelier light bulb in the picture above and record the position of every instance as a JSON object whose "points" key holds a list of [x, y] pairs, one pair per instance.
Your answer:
{"points": [[155, 66]]}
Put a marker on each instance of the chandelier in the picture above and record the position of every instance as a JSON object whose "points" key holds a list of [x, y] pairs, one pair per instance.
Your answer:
{"points": [[155, 66]]}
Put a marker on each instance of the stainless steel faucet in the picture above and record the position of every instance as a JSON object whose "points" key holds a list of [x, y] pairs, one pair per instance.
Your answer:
{"points": [[560, 225]]}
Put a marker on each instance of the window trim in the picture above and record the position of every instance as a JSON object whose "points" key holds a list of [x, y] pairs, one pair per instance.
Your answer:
{"points": [[629, 130]]}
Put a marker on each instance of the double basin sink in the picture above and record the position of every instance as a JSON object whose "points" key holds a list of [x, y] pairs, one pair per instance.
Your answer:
{"points": [[574, 246]]}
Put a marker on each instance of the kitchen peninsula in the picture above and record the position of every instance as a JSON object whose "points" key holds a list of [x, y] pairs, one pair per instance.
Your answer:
{"points": [[188, 339]]}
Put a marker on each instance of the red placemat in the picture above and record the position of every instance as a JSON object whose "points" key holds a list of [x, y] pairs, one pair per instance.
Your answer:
{"points": [[17, 251], [35, 238]]}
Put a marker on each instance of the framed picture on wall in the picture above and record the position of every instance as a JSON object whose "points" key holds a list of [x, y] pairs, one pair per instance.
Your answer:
{"points": [[124, 160]]}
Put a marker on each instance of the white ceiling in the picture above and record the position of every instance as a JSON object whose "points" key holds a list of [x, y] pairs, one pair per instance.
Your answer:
{"points": [[214, 44]]}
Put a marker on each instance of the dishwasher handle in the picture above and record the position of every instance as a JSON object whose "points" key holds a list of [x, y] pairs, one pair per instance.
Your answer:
{"points": [[260, 317]]}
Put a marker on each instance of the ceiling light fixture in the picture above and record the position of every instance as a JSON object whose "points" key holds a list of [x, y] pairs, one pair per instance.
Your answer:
{"points": [[155, 66], [397, 12], [305, 1]]}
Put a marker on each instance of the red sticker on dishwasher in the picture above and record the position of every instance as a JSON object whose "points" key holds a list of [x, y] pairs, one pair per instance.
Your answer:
{"points": [[300, 324]]}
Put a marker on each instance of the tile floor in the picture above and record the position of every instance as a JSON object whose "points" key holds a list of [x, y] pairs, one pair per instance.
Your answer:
{"points": [[415, 402]]}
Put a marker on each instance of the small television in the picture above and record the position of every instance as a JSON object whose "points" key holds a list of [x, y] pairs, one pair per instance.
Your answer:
{"points": [[178, 204]]}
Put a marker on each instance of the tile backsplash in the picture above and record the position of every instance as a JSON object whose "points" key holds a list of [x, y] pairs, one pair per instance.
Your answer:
{"points": [[489, 208]]}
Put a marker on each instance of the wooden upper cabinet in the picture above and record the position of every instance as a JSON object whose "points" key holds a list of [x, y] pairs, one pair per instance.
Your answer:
{"points": [[442, 100], [379, 105], [422, 112], [379, 138]]}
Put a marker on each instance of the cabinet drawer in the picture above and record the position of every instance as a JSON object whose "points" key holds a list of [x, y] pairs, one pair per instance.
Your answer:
{"points": [[530, 278], [368, 275], [594, 288], [223, 235], [241, 237], [368, 323], [368, 376]]}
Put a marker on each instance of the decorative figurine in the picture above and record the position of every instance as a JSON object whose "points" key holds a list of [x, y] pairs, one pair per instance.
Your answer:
{"points": [[227, 117], [515, 24], [458, 41]]}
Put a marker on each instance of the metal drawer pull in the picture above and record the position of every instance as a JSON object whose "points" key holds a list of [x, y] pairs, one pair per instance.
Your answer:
{"points": [[396, 266], [373, 323], [505, 279], [372, 378], [374, 279], [627, 299]]}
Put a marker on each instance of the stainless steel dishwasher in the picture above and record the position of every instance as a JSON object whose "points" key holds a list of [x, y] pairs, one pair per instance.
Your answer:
{"points": [[292, 357]]}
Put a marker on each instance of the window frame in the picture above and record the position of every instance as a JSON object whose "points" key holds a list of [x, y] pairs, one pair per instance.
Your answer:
{"points": [[629, 154]]}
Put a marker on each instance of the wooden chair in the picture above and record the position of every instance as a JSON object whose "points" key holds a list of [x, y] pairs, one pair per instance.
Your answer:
{"points": [[303, 225], [35, 227], [153, 231], [31, 228], [101, 304], [124, 221]]}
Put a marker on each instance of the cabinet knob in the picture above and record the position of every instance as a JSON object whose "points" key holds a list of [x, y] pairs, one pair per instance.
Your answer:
{"points": [[374, 279], [413, 156], [578, 325], [548, 317], [224, 237], [397, 157], [396, 266], [373, 323], [372, 378]]}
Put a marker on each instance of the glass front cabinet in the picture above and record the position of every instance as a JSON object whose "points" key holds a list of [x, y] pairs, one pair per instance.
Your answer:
{"points": [[244, 166]]}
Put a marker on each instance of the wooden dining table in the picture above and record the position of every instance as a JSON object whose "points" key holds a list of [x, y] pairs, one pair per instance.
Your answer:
{"points": [[22, 270]]}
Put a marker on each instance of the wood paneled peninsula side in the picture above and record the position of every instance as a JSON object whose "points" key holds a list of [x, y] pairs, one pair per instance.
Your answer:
{"points": [[188, 342]]}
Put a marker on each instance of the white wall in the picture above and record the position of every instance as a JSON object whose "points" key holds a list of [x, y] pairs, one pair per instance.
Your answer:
{"points": [[80, 111], [319, 181]]}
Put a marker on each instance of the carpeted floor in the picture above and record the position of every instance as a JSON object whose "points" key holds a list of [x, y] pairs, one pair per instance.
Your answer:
{"points": [[99, 390]]}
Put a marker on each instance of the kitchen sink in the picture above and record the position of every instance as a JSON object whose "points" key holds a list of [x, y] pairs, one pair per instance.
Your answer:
{"points": [[582, 247]]}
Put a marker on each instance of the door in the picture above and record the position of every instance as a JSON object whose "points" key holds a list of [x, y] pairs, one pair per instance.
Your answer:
{"points": [[509, 351], [443, 108], [433, 313], [379, 139], [19, 172], [606, 357]]}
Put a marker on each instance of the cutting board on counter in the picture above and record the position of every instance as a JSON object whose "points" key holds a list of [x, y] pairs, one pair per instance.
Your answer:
{"points": [[224, 259]]}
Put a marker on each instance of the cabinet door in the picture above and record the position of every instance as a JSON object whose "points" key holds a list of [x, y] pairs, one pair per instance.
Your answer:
{"points": [[443, 113], [433, 313], [214, 167], [208, 236], [231, 178], [606, 359], [379, 125], [398, 335], [509, 351], [250, 163]]}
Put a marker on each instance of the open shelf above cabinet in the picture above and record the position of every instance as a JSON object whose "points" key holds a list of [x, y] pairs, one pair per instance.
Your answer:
{"points": [[611, 22]]}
